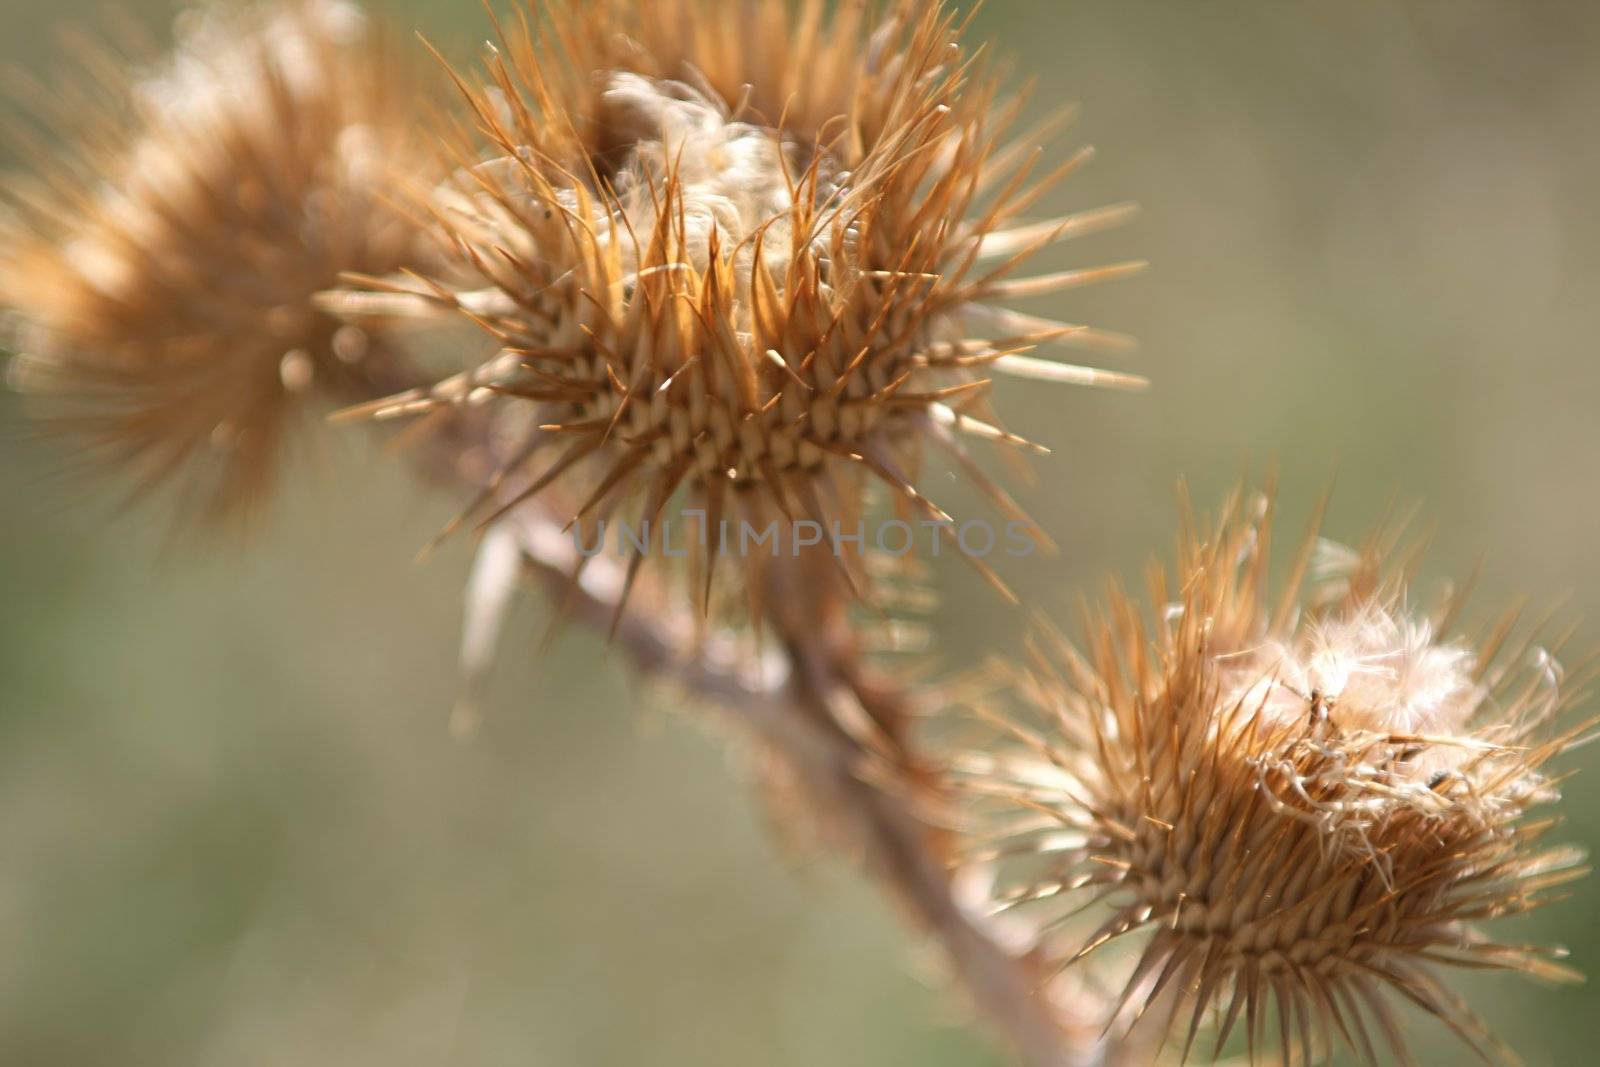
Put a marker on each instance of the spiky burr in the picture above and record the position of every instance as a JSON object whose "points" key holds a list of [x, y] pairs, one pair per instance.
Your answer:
{"points": [[1304, 806], [748, 260], [160, 255]]}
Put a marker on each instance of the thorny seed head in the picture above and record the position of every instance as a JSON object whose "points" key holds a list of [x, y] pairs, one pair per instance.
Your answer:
{"points": [[746, 257], [160, 265], [1307, 805]]}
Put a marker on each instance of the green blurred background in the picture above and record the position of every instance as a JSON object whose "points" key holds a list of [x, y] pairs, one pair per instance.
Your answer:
{"points": [[233, 828]]}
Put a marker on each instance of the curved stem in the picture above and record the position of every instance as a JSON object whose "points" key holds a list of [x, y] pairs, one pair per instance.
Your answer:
{"points": [[785, 704], [811, 704]]}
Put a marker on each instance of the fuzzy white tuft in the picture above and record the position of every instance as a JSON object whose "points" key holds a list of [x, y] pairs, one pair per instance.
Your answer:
{"points": [[736, 178], [1376, 670]]}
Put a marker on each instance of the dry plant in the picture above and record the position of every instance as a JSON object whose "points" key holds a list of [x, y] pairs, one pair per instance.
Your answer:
{"points": [[180, 215], [745, 260], [733, 260], [1306, 802]]}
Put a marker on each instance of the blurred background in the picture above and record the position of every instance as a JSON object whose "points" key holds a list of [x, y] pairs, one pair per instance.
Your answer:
{"points": [[233, 828]]}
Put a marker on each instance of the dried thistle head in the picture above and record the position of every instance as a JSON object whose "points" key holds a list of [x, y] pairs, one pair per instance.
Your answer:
{"points": [[749, 259], [161, 262], [1309, 804]]}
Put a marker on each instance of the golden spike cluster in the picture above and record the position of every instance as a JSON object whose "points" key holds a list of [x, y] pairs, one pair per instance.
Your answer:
{"points": [[745, 260], [161, 263], [1303, 805]]}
